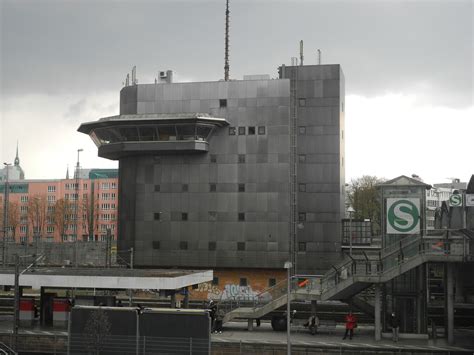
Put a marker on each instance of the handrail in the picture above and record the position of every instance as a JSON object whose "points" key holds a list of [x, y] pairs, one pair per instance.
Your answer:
{"points": [[453, 246]]}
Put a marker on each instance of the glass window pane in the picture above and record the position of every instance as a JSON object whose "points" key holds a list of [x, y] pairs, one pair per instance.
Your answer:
{"points": [[147, 133], [203, 132], [186, 132], [129, 134], [167, 133]]}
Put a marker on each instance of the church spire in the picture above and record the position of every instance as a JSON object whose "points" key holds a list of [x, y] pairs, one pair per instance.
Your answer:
{"points": [[67, 172], [17, 159]]}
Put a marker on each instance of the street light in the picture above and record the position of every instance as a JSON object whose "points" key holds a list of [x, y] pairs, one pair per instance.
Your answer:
{"points": [[5, 213], [288, 265], [351, 211]]}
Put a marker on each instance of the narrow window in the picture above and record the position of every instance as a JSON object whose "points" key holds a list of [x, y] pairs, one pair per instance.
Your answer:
{"points": [[302, 216], [301, 246], [251, 130], [302, 158], [183, 245], [231, 131], [185, 188], [222, 103], [241, 246], [241, 131], [213, 158], [215, 281], [241, 158], [302, 102], [241, 187], [212, 246], [156, 244], [271, 282], [184, 216], [261, 130], [157, 216], [212, 216], [302, 130], [157, 188], [243, 281], [241, 216], [212, 188]]}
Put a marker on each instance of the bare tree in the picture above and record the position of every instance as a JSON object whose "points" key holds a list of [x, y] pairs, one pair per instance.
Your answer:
{"points": [[90, 215], [38, 213], [61, 215], [13, 217], [96, 331]]}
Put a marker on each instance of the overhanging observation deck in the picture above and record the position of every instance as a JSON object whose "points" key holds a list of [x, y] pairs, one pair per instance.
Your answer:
{"points": [[125, 135]]}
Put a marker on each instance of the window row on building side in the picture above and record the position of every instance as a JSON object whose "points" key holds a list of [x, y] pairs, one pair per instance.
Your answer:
{"points": [[184, 216], [250, 130]]}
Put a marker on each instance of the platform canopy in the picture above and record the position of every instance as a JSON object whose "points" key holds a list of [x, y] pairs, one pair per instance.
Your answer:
{"points": [[113, 278]]}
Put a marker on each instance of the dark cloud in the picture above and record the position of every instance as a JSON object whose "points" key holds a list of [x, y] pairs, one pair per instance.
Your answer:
{"points": [[82, 47]]}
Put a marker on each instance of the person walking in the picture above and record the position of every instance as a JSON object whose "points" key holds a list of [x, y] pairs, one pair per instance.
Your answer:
{"points": [[351, 323], [395, 323], [219, 319]]}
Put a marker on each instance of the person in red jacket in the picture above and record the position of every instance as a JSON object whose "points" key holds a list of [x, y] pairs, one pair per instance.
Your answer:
{"points": [[351, 323]]}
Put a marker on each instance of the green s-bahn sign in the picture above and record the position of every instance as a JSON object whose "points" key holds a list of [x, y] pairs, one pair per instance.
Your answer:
{"points": [[403, 215]]}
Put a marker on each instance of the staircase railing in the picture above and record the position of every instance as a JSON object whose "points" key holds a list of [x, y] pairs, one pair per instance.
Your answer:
{"points": [[299, 284], [394, 256]]}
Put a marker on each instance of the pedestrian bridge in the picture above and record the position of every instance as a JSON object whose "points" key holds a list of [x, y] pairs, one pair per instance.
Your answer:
{"points": [[359, 271]]}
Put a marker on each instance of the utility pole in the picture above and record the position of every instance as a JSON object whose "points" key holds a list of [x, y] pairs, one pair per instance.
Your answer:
{"points": [[108, 247], [5, 214], [16, 314], [76, 201], [226, 54]]}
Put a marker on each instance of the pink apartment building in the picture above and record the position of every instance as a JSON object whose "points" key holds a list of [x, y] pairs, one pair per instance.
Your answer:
{"points": [[82, 208]]}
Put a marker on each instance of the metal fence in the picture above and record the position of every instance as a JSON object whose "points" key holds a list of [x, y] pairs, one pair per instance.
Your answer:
{"points": [[88, 254]]}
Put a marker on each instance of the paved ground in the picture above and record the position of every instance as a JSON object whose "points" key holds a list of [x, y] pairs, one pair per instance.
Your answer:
{"points": [[236, 332]]}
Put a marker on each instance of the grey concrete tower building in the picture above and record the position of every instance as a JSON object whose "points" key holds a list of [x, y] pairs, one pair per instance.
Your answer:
{"points": [[230, 174]]}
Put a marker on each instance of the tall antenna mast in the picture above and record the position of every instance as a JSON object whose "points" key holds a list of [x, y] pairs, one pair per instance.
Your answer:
{"points": [[301, 52], [226, 60]]}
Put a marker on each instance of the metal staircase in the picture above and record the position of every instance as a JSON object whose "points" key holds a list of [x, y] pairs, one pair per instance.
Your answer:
{"points": [[302, 288], [354, 275], [357, 273]]}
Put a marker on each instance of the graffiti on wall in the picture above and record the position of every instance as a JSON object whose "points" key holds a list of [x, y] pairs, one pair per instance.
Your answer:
{"points": [[207, 290]]}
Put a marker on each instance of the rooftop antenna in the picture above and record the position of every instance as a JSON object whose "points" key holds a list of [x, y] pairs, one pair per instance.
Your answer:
{"points": [[134, 75], [301, 52], [127, 79], [319, 56], [226, 59]]}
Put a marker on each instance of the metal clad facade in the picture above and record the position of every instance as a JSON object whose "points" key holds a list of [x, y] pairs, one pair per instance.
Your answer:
{"points": [[229, 207]]}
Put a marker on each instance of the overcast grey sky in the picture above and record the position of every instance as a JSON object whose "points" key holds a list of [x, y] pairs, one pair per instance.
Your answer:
{"points": [[408, 68]]}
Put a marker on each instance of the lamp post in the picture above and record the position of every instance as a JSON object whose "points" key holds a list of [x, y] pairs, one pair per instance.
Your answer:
{"points": [[351, 210], [76, 201], [288, 265], [5, 213]]}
